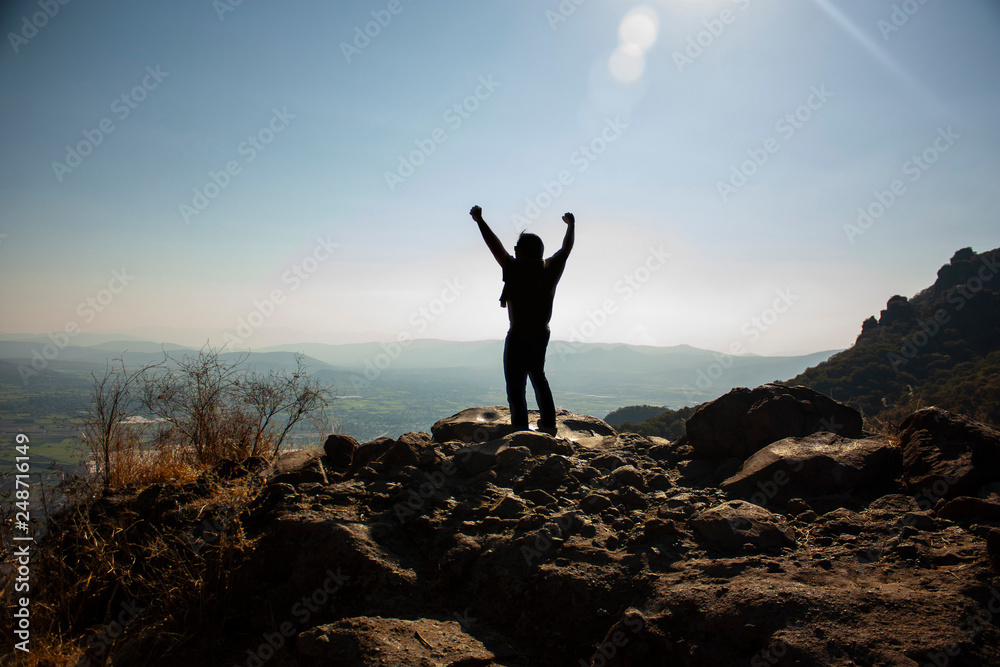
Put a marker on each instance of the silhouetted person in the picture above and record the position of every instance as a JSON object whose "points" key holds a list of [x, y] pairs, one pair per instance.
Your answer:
{"points": [[529, 287]]}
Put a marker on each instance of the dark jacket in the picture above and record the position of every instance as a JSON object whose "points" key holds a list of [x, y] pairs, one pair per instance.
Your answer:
{"points": [[529, 288]]}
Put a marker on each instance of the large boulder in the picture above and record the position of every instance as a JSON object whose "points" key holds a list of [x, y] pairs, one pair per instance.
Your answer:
{"points": [[489, 423], [817, 465], [366, 641], [340, 449], [370, 452], [307, 552], [744, 420], [406, 450], [946, 455], [538, 443], [736, 523], [299, 467], [964, 508], [473, 425]]}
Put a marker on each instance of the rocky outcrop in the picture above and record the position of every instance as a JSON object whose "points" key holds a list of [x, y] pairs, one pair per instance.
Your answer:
{"points": [[735, 524], [299, 467], [340, 449], [969, 509], [898, 310], [947, 455], [482, 424], [824, 467], [351, 643], [743, 421], [939, 345], [529, 548]]}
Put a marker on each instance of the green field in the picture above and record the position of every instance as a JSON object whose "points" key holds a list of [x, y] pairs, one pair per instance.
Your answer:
{"points": [[394, 401], [44, 410]]}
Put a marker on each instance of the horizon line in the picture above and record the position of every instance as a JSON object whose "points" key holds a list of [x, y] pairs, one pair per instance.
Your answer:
{"points": [[124, 338]]}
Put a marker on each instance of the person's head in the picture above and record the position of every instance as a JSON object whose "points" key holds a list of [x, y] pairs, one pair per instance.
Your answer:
{"points": [[529, 246]]}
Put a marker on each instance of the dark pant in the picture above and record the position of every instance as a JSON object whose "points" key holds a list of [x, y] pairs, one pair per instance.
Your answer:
{"points": [[524, 358]]}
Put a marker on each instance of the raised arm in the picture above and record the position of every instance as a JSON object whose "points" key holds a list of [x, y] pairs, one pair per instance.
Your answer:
{"points": [[492, 242], [570, 233]]}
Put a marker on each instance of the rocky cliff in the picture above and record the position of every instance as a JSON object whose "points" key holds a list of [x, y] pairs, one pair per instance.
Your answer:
{"points": [[940, 347], [775, 531]]}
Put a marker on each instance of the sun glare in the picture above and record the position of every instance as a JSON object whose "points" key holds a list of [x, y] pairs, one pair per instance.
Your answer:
{"points": [[640, 27], [636, 34]]}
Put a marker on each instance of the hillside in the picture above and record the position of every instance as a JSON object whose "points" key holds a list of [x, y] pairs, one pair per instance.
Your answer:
{"points": [[758, 538], [665, 424], [941, 347], [633, 413]]}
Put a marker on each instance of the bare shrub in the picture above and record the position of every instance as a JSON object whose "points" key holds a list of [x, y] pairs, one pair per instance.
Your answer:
{"points": [[221, 409], [205, 408], [108, 431]]}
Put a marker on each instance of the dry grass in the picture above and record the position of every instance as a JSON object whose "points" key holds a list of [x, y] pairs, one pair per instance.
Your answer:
{"points": [[168, 458], [174, 554], [165, 461], [888, 421], [883, 426], [100, 558]]}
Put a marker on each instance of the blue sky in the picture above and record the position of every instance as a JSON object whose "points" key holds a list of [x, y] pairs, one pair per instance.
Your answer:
{"points": [[305, 237]]}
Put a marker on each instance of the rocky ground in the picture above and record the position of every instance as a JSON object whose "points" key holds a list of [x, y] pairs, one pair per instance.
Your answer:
{"points": [[775, 532]]}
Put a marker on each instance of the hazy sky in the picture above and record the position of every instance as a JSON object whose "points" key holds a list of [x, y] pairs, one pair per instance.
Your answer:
{"points": [[307, 167]]}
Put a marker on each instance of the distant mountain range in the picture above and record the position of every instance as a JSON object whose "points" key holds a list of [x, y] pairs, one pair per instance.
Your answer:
{"points": [[391, 388], [681, 372]]}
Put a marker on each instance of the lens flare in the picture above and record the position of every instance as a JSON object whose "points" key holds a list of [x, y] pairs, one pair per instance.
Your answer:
{"points": [[636, 34], [626, 63], [640, 27]]}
